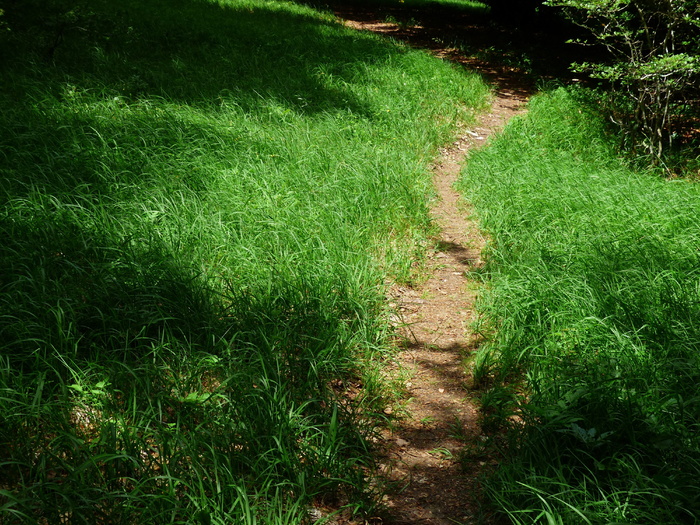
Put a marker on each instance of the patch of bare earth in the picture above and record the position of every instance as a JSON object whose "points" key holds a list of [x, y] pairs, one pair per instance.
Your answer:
{"points": [[423, 451]]}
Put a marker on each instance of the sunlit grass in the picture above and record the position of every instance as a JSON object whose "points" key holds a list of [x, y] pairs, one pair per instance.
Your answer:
{"points": [[201, 205], [592, 306]]}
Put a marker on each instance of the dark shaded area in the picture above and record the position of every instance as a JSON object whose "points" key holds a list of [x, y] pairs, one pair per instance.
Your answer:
{"points": [[209, 53], [522, 13], [65, 51], [501, 41], [75, 289]]}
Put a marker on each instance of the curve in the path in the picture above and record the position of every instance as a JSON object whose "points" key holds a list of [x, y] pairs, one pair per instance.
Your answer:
{"points": [[431, 485]]}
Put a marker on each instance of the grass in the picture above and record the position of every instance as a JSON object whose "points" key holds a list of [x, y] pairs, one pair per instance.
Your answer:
{"points": [[591, 305], [410, 14], [201, 203], [475, 7]]}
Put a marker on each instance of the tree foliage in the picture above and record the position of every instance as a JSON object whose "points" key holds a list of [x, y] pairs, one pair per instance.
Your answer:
{"points": [[654, 58]]}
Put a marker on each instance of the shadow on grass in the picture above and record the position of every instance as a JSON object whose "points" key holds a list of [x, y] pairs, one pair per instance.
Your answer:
{"points": [[70, 68], [84, 114], [73, 291], [192, 52]]}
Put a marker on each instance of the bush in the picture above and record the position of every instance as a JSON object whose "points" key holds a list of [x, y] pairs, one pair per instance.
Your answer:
{"points": [[653, 49]]}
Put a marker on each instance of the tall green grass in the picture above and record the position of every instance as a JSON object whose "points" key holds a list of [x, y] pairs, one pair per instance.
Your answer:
{"points": [[201, 203], [592, 307]]}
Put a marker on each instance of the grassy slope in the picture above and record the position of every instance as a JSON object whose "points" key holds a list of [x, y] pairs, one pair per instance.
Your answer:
{"points": [[200, 205], [593, 296]]}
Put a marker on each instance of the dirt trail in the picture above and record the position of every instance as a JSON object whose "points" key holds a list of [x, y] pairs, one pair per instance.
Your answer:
{"points": [[423, 452], [435, 318]]}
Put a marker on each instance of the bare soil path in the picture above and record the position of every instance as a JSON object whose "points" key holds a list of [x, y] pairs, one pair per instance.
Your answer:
{"points": [[433, 487]]}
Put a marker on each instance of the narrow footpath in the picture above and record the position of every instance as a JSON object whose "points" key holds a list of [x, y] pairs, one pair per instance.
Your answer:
{"points": [[422, 462]]}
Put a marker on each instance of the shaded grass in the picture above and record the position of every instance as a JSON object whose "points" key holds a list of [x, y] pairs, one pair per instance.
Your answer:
{"points": [[201, 203], [592, 305], [435, 15], [474, 7]]}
